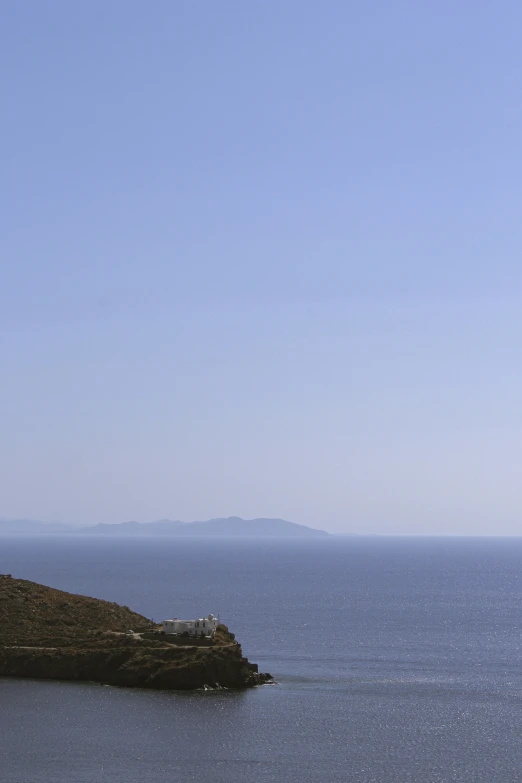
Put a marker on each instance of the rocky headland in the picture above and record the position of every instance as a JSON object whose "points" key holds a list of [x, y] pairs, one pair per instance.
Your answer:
{"points": [[50, 634]]}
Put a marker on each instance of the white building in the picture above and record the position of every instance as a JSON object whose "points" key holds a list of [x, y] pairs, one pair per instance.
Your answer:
{"points": [[205, 626]]}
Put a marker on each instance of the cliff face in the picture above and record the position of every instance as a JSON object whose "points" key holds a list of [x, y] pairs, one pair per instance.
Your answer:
{"points": [[164, 668], [42, 649]]}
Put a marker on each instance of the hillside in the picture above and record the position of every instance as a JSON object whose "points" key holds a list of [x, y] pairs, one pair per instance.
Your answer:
{"points": [[29, 610], [49, 634]]}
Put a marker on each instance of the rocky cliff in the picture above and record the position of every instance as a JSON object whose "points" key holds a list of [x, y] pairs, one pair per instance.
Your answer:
{"points": [[49, 634]]}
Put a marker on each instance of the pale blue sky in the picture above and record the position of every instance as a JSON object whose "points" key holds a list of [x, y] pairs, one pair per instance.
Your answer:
{"points": [[262, 258]]}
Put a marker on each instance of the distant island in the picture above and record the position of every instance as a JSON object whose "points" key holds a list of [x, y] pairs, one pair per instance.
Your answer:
{"points": [[224, 527], [50, 634], [231, 527], [31, 527]]}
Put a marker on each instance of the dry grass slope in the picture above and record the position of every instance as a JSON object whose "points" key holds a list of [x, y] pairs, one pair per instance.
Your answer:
{"points": [[29, 611]]}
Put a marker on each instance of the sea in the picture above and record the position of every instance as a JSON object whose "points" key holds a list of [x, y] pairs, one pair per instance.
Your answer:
{"points": [[396, 660]]}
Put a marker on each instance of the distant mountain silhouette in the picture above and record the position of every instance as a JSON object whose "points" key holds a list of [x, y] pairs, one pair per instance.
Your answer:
{"points": [[230, 526], [222, 527], [163, 527], [31, 527]]}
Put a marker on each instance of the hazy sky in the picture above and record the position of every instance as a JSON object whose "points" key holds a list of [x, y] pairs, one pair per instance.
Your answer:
{"points": [[262, 258]]}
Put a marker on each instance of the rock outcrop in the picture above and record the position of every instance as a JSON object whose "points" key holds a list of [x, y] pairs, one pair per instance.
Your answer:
{"points": [[49, 634]]}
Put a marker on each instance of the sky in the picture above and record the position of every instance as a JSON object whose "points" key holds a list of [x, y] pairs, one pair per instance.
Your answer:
{"points": [[262, 259]]}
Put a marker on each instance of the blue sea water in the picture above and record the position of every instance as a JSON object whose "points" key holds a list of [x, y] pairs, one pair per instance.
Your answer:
{"points": [[397, 661]]}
